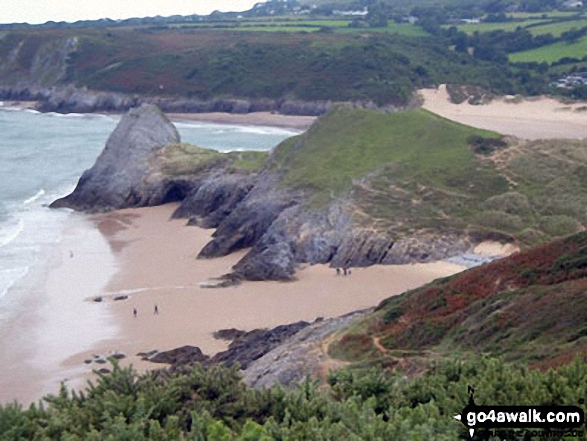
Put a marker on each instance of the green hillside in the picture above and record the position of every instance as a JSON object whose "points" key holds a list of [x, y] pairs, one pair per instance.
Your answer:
{"points": [[413, 170], [344, 65]]}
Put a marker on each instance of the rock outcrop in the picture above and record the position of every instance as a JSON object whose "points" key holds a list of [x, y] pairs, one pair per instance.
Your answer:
{"points": [[180, 356], [255, 344], [249, 209], [304, 354], [121, 176], [70, 99]]}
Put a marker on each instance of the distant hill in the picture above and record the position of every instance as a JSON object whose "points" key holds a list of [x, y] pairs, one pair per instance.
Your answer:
{"points": [[224, 63]]}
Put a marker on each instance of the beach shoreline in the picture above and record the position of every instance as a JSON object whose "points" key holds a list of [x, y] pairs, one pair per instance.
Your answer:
{"points": [[257, 119]]}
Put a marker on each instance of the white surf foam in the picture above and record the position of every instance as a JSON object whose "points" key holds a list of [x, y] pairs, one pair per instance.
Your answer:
{"points": [[12, 233], [34, 198], [8, 277]]}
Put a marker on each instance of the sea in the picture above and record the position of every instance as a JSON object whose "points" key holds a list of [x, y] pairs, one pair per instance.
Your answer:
{"points": [[42, 155]]}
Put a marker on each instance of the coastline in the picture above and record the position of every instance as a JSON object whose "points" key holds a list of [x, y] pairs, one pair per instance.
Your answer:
{"points": [[266, 119], [54, 321]]}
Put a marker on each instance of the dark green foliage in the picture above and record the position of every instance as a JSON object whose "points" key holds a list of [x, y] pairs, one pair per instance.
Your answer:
{"points": [[202, 405], [486, 146]]}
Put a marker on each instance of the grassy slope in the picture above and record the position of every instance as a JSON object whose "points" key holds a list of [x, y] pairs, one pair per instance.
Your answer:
{"points": [[185, 159], [530, 307], [552, 52], [350, 144], [414, 170]]}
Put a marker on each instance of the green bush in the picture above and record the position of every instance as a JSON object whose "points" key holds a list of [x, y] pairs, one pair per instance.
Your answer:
{"points": [[499, 220], [511, 202], [199, 404], [558, 226]]}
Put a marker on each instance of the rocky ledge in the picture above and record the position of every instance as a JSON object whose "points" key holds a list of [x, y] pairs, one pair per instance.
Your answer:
{"points": [[70, 99], [283, 355]]}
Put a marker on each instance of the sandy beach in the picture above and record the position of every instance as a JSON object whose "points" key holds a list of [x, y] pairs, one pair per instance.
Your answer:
{"points": [[266, 119], [532, 118], [159, 267], [142, 254]]}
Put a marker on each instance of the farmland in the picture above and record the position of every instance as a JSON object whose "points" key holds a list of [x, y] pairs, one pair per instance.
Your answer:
{"points": [[556, 29], [296, 25], [470, 28], [552, 52]]}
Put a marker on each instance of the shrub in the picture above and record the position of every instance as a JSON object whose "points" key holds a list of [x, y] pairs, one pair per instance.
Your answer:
{"points": [[558, 226], [511, 202], [500, 220], [486, 146]]}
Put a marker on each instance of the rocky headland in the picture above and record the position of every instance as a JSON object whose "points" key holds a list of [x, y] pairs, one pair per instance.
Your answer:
{"points": [[249, 208], [358, 188]]}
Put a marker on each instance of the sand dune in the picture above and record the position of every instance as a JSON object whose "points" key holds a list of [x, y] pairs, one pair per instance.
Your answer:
{"points": [[540, 118]]}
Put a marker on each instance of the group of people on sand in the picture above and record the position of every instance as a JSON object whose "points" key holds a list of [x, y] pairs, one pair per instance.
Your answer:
{"points": [[135, 311], [345, 271]]}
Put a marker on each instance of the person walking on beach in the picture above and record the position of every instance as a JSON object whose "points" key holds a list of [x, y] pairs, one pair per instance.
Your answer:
{"points": [[156, 311], [134, 312]]}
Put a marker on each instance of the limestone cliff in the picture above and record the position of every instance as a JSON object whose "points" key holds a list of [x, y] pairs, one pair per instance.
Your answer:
{"points": [[121, 176]]}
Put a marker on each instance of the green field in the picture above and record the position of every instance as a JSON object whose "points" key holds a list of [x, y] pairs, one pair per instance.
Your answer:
{"points": [[470, 28], [275, 29], [552, 14], [405, 29], [292, 25], [556, 29], [552, 52]]}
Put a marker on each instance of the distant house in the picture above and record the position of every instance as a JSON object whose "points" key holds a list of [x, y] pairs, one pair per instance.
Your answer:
{"points": [[362, 13], [573, 4], [471, 20], [410, 19]]}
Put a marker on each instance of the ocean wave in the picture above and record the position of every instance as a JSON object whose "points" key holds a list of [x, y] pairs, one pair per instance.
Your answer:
{"points": [[221, 129], [34, 198], [12, 234], [33, 111], [8, 277], [66, 115]]}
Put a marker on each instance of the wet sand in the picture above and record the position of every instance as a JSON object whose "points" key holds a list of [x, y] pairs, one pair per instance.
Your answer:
{"points": [[535, 118], [53, 321]]}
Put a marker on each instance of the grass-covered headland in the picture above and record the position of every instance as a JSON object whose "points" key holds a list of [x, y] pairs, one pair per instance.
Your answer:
{"points": [[413, 170]]}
